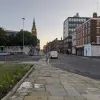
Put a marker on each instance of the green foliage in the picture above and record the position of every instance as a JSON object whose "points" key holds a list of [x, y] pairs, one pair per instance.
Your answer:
{"points": [[29, 39], [17, 40], [3, 37], [10, 73]]}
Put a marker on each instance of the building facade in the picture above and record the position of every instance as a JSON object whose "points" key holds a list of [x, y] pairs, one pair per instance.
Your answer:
{"points": [[55, 45], [69, 26], [74, 43], [87, 35], [10, 32]]}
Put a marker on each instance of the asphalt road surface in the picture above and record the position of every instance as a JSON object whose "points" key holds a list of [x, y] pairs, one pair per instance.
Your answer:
{"points": [[79, 65], [20, 58]]}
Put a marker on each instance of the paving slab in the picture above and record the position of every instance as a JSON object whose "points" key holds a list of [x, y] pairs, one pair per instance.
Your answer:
{"points": [[56, 98], [39, 81], [35, 98], [80, 98], [91, 96], [69, 98], [17, 98], [41, 94]]}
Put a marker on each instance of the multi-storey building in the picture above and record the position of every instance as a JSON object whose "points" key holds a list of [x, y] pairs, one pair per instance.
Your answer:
{"points": [[69, 27], [88, 37]]}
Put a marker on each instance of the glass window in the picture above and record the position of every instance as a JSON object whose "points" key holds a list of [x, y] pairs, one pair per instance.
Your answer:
{"points": [[86, 25], [69, 19], [88, 30], [89, 23], [98, 39], [98, 31], [88, 39], [77, 19], [81, 20], [83, 33], [84, 20], [85, 40], [98, 23]]}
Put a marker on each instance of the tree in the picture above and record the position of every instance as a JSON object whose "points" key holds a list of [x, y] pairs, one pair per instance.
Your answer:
{"points": [[3, 37], [29, 39], [12, 40], [33, 40]]}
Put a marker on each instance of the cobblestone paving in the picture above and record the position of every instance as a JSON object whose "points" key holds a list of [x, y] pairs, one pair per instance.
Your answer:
{"points": [[51, 83]]}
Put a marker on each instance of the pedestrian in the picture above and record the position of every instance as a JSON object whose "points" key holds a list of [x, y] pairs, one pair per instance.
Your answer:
{"points": [[47, 57]]}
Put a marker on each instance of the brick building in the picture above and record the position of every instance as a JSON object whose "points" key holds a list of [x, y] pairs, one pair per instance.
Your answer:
{"points": [[55, 45], [88, 35]]}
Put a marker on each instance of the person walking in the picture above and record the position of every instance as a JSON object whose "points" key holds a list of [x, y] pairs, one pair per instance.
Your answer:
{"points": [[48, 57]]}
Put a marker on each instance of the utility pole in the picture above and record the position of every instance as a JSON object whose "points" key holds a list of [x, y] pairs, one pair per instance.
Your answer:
{"points": [[23, 33]]}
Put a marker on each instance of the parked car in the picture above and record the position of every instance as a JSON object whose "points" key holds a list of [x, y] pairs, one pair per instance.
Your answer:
{"points": [[54, 54]]}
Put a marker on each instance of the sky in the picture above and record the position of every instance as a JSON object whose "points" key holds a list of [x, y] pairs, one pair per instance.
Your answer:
{"points": [[49, 15]]}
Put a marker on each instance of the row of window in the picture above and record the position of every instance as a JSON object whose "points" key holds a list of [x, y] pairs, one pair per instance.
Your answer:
{"points": [[77, 19], [74, 25], [71, 30], [83, 27], [86, 40], [67, 40], [84, 33]]}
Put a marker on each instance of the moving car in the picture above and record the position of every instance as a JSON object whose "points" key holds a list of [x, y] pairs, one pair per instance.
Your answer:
{"points": [[54, 54]]}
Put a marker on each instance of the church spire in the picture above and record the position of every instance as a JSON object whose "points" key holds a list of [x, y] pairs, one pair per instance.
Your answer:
{"points": [[34, 31]]}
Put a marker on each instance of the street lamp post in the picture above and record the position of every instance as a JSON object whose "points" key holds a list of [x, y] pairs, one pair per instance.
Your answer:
{"points": [[23, 33]]}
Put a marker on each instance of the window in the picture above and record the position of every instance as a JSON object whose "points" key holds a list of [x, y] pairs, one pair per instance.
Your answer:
{"points": [[86, 25], [98, 31], [69, 19], [98, 22], [72, 19], [88, 30], [89, 23], [98, 39], [88, 39], [84, 20], [85, 40], [83, 33]]}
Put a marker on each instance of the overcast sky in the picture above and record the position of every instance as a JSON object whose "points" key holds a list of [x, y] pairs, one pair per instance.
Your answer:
{"points": [[49, 15]]}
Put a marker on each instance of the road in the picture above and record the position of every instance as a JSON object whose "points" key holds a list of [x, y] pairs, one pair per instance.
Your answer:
{"points": [[79, 65], [20, 58]]}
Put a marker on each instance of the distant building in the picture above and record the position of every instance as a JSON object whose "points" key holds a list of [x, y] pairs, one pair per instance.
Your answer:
{"points": [[55, 45], [69, 26], [88, 37], [10, 32]]}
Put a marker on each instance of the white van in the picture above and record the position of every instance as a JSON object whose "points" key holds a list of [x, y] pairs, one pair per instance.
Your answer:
{"points": [[53, 54]]}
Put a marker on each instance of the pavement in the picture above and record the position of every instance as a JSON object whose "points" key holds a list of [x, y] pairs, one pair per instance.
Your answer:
{"points": [[48, 82]]}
